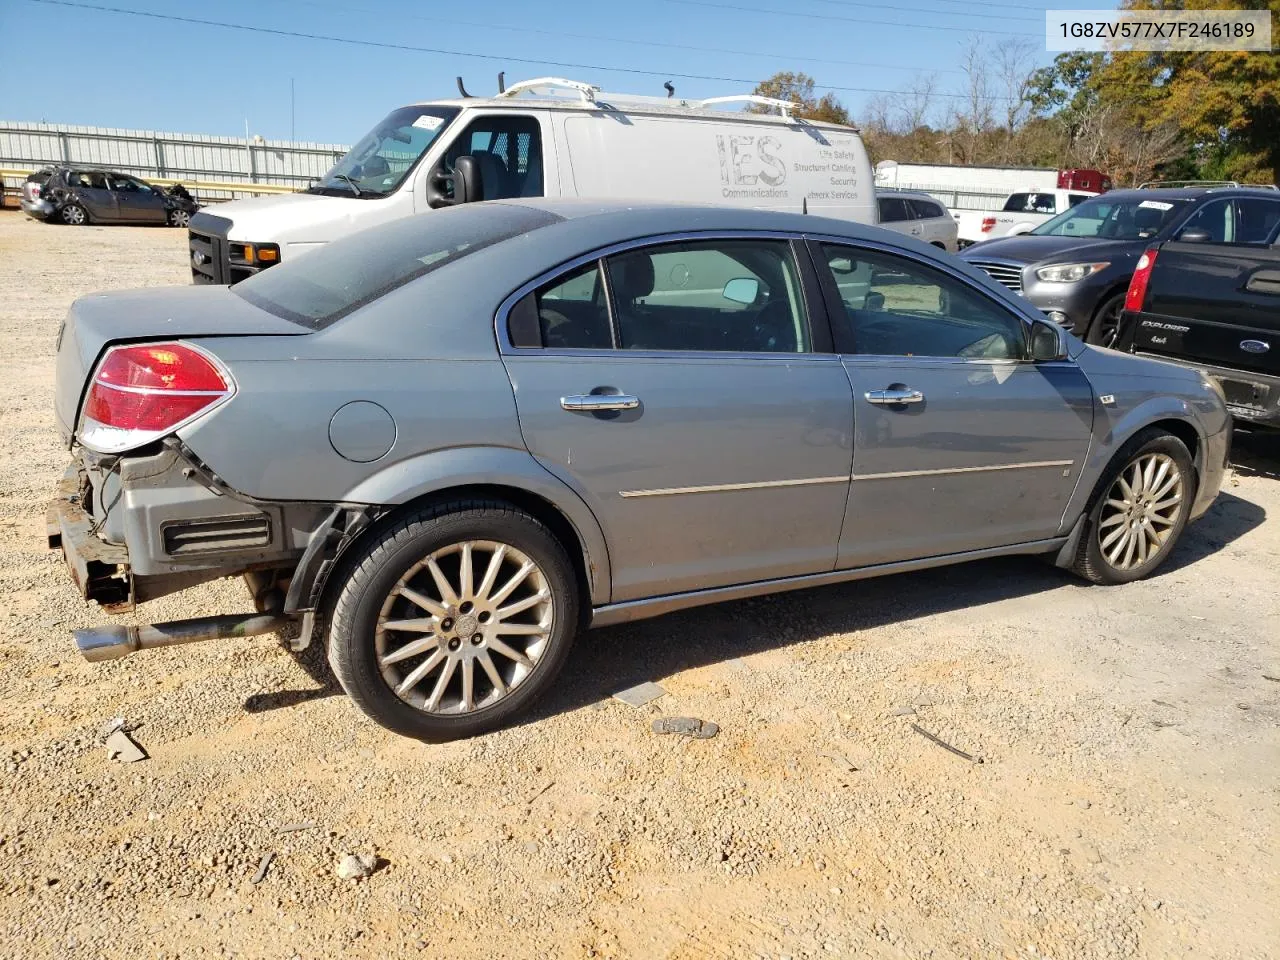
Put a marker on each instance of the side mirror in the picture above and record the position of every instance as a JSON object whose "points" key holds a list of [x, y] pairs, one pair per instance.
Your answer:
{"points": [[742, 290], [1048, 342], [1195, 235], [874, 301], [468, 184]]}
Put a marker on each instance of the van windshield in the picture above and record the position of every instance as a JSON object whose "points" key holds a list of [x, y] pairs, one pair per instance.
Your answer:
{"points": [[378, 164]]}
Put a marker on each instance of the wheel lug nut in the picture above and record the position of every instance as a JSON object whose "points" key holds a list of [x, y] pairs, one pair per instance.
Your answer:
{"points": [[455, 643], [476, 640], [446, 623]]}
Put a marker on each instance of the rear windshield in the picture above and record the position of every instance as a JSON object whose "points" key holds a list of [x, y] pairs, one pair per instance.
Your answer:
{"points": [[321, 288]]}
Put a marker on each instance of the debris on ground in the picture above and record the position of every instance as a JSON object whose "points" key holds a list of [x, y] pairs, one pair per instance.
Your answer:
{"points": [[840, 760], [120, 746], [944, 745], [686, 727], [355, 866], [540, 791], [904, 712], [110, 727], [263, 867], [297, 827], [640, 694]]}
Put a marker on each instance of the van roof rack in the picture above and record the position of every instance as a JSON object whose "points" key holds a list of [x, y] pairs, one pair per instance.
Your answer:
{"points": [[590, 93], [1158, 184]]}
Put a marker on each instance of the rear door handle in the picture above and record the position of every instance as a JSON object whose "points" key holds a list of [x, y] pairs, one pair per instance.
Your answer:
{"points": [[595, 402], [1264, 281], [894, 396]]}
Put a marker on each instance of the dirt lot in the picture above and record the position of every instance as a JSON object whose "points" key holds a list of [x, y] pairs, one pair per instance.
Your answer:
{"points": [[1127, 805]]}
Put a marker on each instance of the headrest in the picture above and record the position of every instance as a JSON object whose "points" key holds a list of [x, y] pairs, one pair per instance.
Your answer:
{"points": [[632, 276]]}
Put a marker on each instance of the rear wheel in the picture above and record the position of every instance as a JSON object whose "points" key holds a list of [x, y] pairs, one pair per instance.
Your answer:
{"points": [[1140, 510], [73, 215], [454, 620], [1104, 330]]}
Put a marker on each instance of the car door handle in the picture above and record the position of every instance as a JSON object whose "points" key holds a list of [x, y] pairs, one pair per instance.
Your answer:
{"points": [[595, 402], [894, 396], [1264, 281]]}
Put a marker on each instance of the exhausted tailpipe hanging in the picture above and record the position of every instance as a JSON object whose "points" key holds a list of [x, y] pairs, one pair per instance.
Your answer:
{"points": [[111, 643]]}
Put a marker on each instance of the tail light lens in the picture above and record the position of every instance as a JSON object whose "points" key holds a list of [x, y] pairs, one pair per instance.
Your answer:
{"points": [[1137, 295], [988, 224], [143, 392]]}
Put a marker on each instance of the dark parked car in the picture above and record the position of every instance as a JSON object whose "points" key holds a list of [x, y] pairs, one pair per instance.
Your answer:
{"points": [[450, 442], [80, 195], [1077, 266], [1215, 306]]}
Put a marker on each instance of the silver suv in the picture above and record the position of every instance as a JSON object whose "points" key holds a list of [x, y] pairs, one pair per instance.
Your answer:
{"points": [[449, 444]]}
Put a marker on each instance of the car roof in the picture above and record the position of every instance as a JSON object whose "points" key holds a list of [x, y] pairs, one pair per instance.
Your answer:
{"points": [[1190, 193], [664, 216]]}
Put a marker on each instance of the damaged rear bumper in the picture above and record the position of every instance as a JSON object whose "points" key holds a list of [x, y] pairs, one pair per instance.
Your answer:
{"points": [[100, 570]]}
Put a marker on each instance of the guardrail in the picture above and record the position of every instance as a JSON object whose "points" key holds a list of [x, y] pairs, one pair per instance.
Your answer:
{"points": [[205, 191]]}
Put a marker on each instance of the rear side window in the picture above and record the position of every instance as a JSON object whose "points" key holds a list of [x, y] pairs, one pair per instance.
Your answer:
{"points": [[1031, 203], [925, 210], [1257, 220], [573, 313], [323, 287], [894, 209]]}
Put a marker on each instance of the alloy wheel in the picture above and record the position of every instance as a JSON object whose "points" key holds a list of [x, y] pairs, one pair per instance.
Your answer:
{"points": [[1140, 511], [1109, 324], [73, 215], [464, 627]]}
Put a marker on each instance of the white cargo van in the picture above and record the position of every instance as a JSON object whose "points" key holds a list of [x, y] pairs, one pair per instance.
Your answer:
{"points": [[548, 137]]}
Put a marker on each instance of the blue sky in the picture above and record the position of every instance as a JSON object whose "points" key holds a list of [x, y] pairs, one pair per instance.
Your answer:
{"points": [[72, 65]]}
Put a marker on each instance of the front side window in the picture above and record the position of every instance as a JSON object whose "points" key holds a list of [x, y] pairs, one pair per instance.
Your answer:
{"points": [[507, 149], [898, 307], [1114, 219], [1216, 219], [720, 295], [380, 161]]}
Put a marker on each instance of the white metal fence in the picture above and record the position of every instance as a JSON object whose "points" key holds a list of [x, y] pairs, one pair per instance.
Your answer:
{"points": [[957, 198], [179, 156]]}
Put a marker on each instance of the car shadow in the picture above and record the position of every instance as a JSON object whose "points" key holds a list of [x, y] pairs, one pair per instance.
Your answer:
{"points": [[611, 659], [1256, 454]]}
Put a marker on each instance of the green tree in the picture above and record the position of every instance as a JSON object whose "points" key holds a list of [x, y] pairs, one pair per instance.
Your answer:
{"points": [[798, 88]]}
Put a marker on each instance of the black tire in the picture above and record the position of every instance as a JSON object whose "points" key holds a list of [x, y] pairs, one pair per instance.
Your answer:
{"points": [[1104, 328], [73, 215], [366, 583], [1092, 561], [179, 218]]}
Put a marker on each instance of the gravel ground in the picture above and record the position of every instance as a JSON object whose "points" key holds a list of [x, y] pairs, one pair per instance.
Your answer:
{"points": [[1126, 805]]}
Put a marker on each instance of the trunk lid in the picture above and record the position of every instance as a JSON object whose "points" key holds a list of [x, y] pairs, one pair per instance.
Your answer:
{"points": [[133, 316]]}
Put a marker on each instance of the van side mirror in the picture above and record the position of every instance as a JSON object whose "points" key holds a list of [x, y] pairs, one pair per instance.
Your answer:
{"points": [[466, 180], [468, 184], [1195, 235], [1048, 342]]}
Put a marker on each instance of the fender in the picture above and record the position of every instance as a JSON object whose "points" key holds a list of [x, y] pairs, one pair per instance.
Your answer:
{"points": [[1114, 427], [428, 473]]}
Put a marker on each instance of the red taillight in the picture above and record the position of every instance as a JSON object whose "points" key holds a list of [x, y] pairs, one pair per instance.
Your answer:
{"points": [[140, 393], [1137, 295], [988, 224]]}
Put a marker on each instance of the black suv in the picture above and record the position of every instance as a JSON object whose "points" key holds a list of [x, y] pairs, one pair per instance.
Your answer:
{"points": [[1210, 299], [1077, 266], [80, 195]]}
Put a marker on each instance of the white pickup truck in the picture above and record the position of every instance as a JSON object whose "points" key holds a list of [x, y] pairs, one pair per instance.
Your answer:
{"points": [[1022, 212]]}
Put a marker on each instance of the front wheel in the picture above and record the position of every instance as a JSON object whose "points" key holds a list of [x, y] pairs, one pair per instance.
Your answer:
{"points": [[1104, 330], [73, 215], [453, 620], [1140, 512], [179, 218]]}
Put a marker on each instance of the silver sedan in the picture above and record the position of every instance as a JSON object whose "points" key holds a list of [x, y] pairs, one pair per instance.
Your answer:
{"points": [[449, 444]]}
